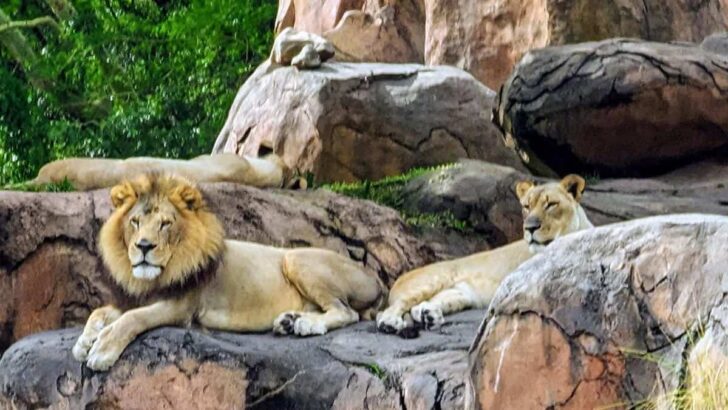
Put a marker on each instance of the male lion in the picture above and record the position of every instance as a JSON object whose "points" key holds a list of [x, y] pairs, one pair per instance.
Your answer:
{"points": [[94, 173], [166, 250], [430, 292]]}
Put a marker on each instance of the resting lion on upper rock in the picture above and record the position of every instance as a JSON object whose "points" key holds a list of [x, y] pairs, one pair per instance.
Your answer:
{"points": [[95, 173], [428, 293], [167, 251]]}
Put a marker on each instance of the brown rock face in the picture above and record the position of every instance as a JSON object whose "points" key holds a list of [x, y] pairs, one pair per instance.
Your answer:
{"points": [[617, 107], [173, 368], [391, 31], [347, 122], [605, 317], [51, 275], [487, 38]]}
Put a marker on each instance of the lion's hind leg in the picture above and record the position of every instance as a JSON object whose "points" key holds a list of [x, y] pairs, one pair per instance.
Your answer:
{"points": [[337, 287], [97, 321], [431, 314]]}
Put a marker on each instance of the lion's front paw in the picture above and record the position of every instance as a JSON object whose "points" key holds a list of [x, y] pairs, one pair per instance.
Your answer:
{"points": [[428, 315], [388, 322], [82, 346], [105, 352], [283, 325], [306, 326]]}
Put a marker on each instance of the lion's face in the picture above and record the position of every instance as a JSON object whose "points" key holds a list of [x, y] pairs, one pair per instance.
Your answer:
{"points": [[550, 210], [159, 234]]}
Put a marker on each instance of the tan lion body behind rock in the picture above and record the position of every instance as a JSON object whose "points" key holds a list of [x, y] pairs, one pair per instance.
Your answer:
{"points": [[428, 293], [165, 249], [95, 173]]}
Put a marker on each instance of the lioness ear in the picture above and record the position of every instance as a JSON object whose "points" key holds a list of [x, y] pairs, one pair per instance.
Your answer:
{"points": [[523, 187], [188, 195], [574, 184], [122, 193]]}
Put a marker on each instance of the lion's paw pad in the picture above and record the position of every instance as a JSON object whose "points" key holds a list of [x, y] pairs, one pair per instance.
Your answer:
{"points": [[428, 315], [389, 323], [284, 324]]}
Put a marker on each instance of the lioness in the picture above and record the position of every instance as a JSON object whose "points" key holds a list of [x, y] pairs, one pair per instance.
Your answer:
{"points": [[430, 292], [164, 248], [94, 173]]}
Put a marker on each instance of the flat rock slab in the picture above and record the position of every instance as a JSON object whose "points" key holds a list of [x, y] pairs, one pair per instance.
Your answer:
{"points": [[611, 316], [51, 275], [349, 368], [617, 107], [349, 122]]}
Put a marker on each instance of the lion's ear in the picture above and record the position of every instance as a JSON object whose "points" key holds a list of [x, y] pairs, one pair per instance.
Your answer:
{"points": [[189, 196], [523, 187], [574, 185], [122, 193]]}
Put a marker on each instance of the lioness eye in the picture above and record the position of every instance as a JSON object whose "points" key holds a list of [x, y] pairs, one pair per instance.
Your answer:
{"points": [[551, 205]]}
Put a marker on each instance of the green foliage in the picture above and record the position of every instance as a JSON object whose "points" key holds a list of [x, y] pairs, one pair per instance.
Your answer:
{"points": [[63, 186], [125, 78], [388, 192]]}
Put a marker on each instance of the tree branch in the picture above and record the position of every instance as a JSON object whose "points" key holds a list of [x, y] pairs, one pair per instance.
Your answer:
{"points": [[29, 23]]}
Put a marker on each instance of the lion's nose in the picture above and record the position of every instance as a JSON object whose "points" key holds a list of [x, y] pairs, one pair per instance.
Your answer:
{"points": [[531, 224], [145, 246]]}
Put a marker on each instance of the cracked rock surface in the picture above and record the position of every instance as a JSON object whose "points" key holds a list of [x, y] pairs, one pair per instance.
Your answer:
{"points": [[51, 275], [606, 316], [617, 107], [348, 122], [351, 368]]}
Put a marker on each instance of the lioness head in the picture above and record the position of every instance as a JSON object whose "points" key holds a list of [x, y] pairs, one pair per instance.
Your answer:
{"points": [[551, 210], [160, 234]]}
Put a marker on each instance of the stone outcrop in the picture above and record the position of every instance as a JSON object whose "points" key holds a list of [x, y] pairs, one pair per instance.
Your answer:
{"points": [[617, 107], [605, 316], [51, 276], [347, 122], [391, 31], [487, 38], [351, 368]]}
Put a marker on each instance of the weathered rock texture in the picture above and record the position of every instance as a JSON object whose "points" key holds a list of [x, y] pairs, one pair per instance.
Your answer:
{"points": [[51, 276], [351, 368], [347, 122], [391, 31], [488, 37], [618, 107], [604, 316]]}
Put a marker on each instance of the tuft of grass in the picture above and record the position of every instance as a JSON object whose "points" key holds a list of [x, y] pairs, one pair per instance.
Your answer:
{"points": [[63, 186], [374, 369], [388, 192]]}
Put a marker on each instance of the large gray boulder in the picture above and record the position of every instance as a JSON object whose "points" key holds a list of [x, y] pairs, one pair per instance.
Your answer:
{"points": [[348, 122], [351, 368], [617, 107], [618, 315]]}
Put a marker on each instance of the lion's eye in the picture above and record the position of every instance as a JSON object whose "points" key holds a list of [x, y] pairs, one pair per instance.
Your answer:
{"points": [[165, 224], [135, 223], [551, 205]]}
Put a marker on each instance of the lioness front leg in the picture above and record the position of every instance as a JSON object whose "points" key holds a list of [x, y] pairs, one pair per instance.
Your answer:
{"points": [[431, 314], [96, 322], [115, 337]]}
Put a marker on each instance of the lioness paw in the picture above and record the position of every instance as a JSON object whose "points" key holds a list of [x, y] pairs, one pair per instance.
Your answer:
{"points": [[390, 323], [283, 325], [428, 315]]}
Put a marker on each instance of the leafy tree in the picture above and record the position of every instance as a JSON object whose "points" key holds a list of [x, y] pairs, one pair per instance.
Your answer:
{"points": [[119, 78]]}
